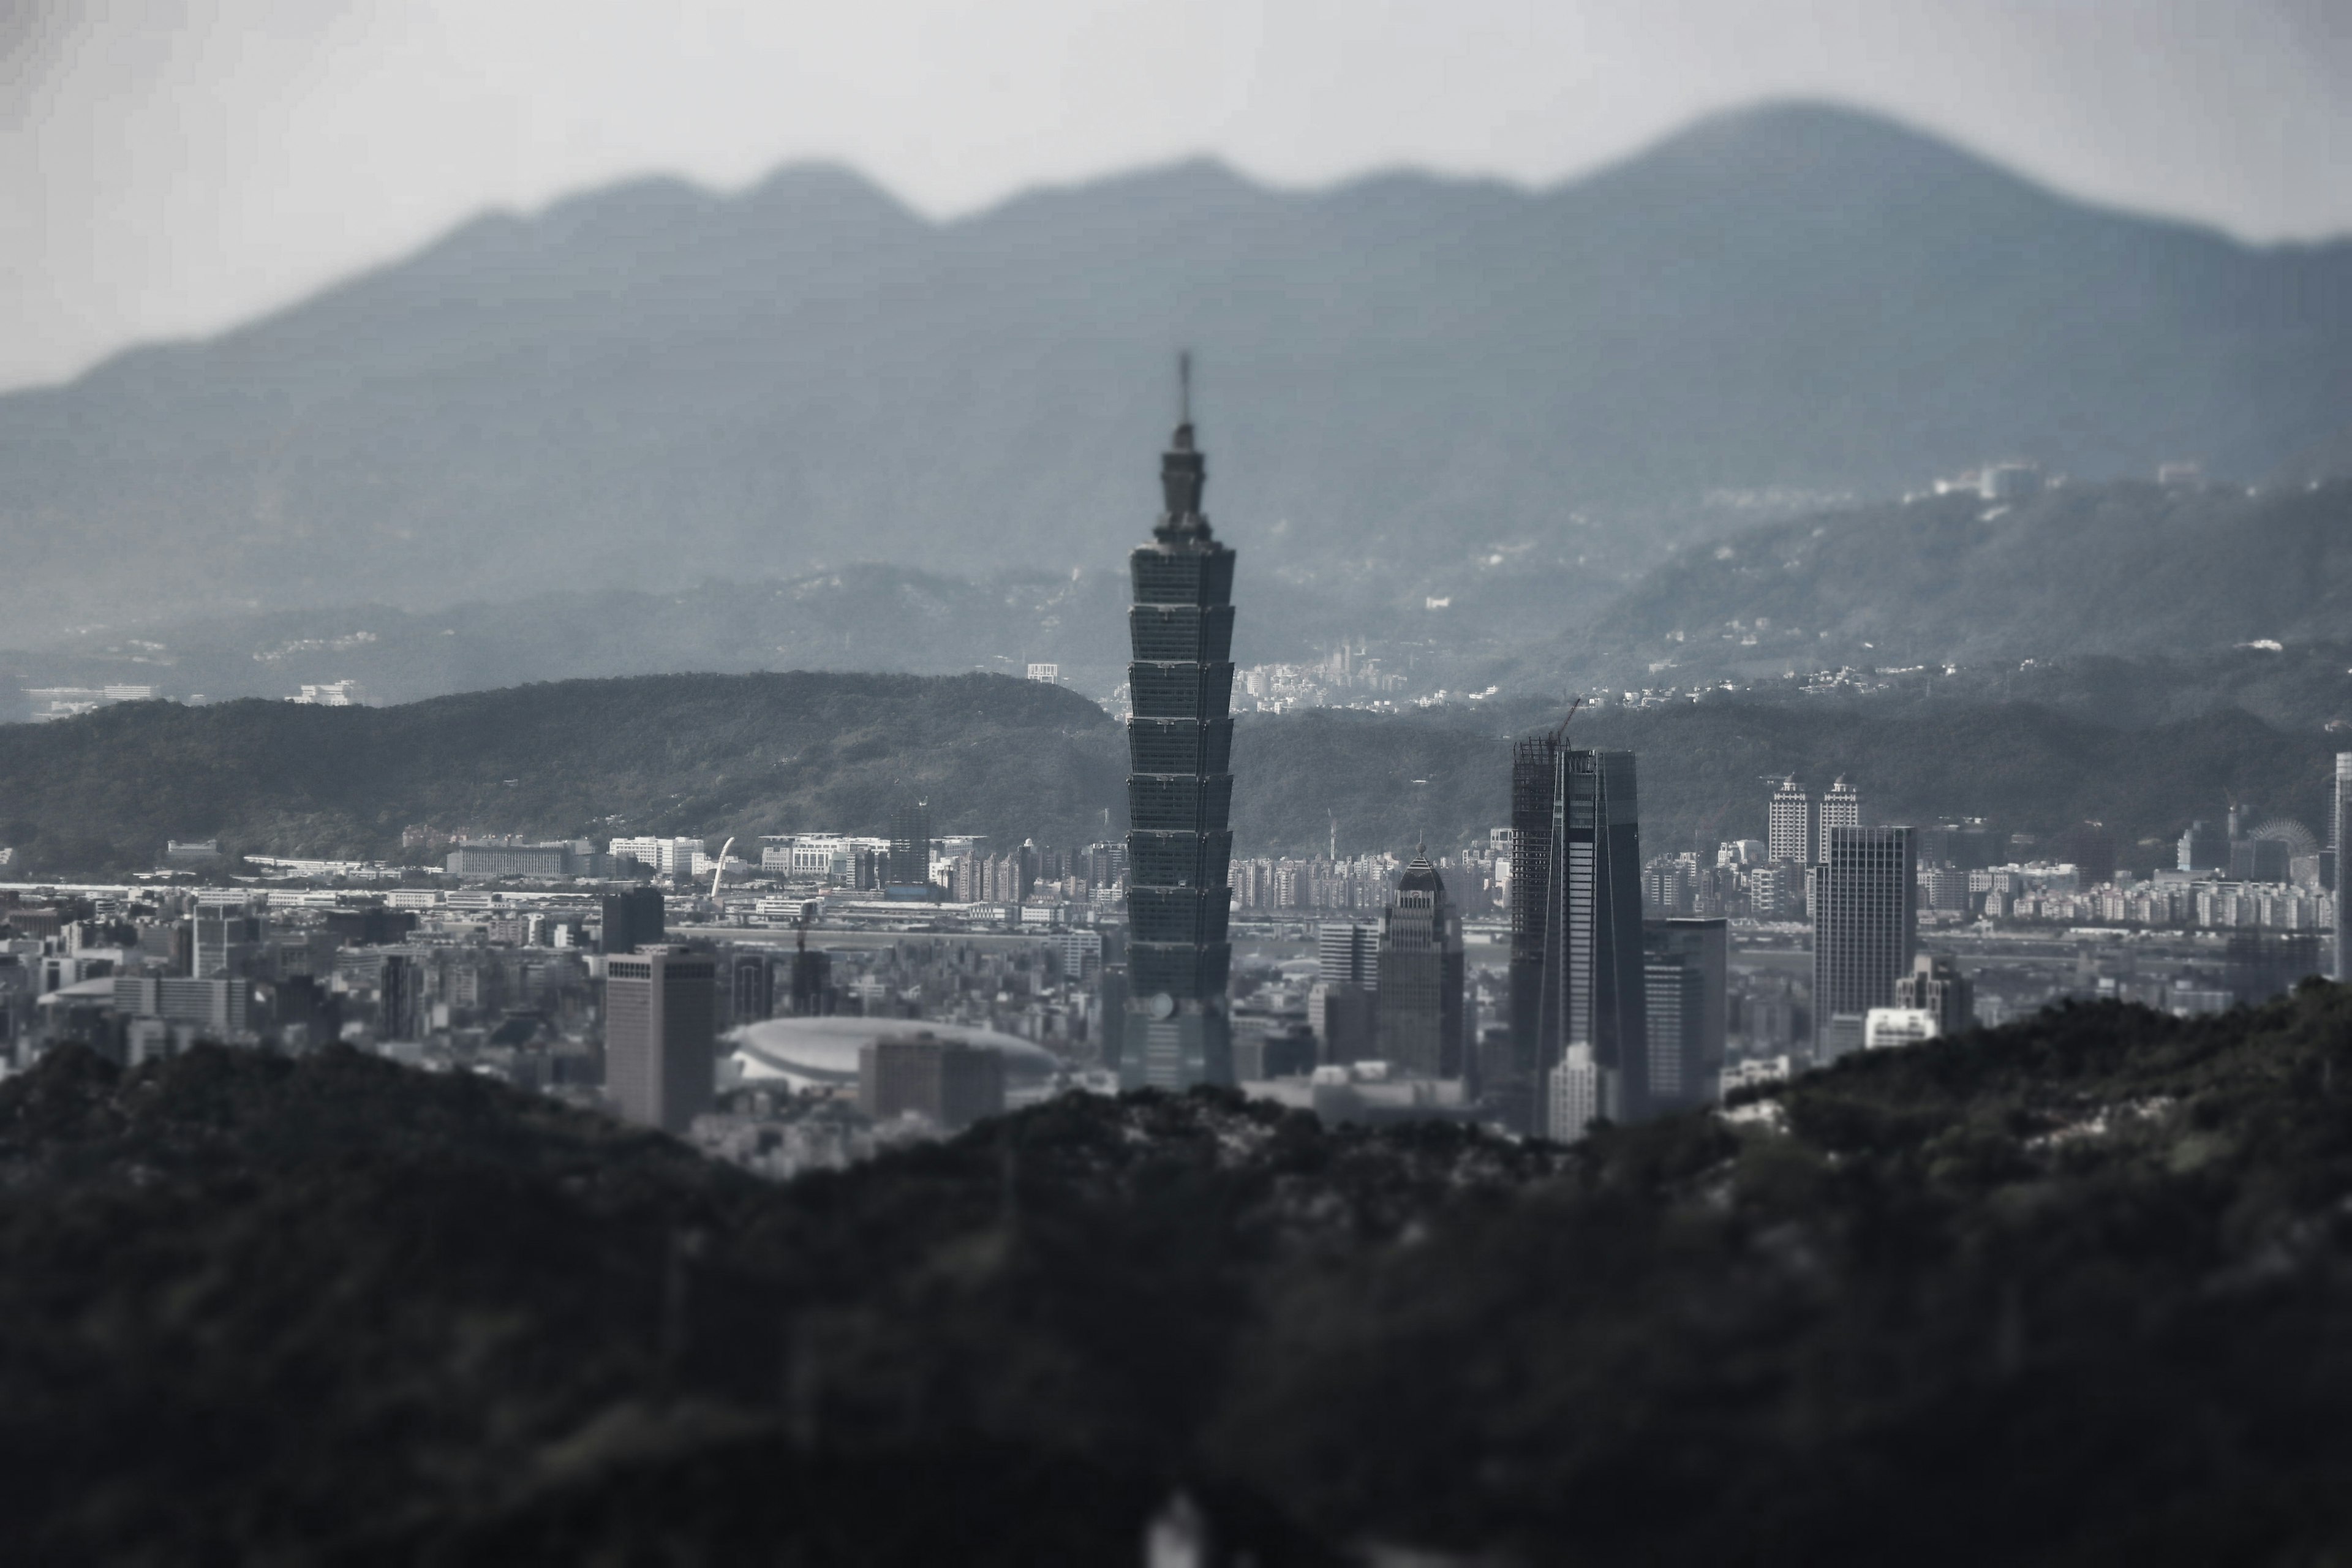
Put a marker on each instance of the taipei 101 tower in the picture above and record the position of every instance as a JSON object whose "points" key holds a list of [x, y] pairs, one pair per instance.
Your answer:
{"points": [[1179, 791]]}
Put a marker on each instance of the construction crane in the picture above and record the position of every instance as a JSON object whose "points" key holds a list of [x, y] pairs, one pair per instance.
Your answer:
{"points": [[1560, 732]]}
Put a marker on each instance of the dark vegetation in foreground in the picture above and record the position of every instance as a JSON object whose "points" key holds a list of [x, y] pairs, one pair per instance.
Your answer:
{"points": [[2077, 1290], [745, 755]]}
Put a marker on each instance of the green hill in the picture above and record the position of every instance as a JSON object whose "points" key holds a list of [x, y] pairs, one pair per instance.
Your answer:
{"points": [[2069, 1292], [745, 755], [2114, 570], [683, 753], [1444, 773]]}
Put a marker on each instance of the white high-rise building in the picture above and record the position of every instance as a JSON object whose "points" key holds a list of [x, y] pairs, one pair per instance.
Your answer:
{"points": [[1572, 1101], [1789, 835], [1841, 807]]}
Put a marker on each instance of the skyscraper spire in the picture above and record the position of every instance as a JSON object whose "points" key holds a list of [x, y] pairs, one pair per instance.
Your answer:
{"points": [[1183, 471]]}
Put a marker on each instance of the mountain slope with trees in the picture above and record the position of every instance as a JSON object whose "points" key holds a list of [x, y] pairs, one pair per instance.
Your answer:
{"points": [[651, 385], [715, 755], [2129, 569], [2067, 1292]]}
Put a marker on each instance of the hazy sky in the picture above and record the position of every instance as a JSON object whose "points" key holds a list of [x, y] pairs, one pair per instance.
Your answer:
{"points": [[170, 166]]}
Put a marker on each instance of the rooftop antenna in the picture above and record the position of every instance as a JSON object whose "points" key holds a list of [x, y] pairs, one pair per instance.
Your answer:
{"points": [[1184, 386]]}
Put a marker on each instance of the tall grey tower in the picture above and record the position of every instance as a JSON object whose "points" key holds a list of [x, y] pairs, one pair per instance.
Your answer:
{"points": [[2339, 838], [1180, 791], [1577, 1002], [1422, 978]]}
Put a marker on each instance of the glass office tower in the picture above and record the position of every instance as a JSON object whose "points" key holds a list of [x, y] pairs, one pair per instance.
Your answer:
{"points": [[1178, 790], [1576, 938]]}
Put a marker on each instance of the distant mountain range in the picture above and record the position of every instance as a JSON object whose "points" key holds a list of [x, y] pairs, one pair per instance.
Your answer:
{"points": [[1403, 378]]}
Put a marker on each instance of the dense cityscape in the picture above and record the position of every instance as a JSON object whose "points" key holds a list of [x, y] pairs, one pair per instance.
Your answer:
{"points": [[823, 995], [666, 900]]}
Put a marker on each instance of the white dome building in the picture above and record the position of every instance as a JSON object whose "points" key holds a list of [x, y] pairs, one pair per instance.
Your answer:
{"points": [[821, 1053]]}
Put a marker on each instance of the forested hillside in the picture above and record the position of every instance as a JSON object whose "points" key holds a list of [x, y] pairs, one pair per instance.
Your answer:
{"points": [[687, 753], [2069, 1292], [2123, 569], [745, 755]]}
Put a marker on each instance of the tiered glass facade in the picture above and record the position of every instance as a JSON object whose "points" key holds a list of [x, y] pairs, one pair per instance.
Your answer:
{"points": [[1180, 792]]}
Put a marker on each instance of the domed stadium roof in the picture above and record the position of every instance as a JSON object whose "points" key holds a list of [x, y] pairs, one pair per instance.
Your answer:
{"points": [[823, 1052]]}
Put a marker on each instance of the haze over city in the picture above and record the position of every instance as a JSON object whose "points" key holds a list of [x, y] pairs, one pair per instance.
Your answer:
{"points": [[1198, 785]]}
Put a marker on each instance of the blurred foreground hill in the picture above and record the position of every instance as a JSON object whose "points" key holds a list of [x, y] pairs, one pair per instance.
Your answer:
{"points": [[710, 755], [2074, 1291]]}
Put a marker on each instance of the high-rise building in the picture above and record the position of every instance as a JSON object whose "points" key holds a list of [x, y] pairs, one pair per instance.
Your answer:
{"points": [[751, 987], [1937, 985], [661, 1007], [1703, 947], [1342, 1006], [1180, 788], [947, 1081], [1866, 930], [1841, 808], [910, 845], [399, 998], [1575, 931], [633, 918], [1674, 1002], [1572, 1095], [812, 994], [2339, 844], [1789, 834], [2204, 847], [1421, 978]]}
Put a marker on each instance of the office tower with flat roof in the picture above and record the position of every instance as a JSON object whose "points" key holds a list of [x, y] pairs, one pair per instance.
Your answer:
{"points": [[1674, 1002], [1841, 808], [947, 1082], [1702, 945], [1180, 786], [661, 1007], [1575, 931], [1865, 933], [1789, 832], [1422, 978], [751, 987], [910, 846], [1342, 1006], [632, 917]]}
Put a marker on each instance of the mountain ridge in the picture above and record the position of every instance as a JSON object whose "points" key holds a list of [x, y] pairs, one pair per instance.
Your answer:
{"points": [[1397, 371]]}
